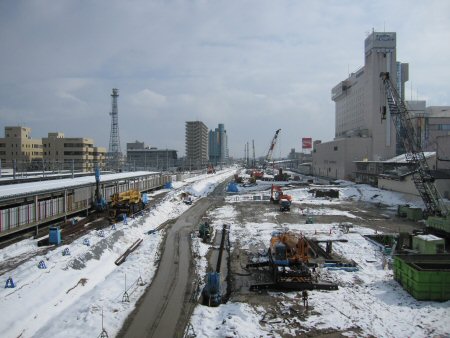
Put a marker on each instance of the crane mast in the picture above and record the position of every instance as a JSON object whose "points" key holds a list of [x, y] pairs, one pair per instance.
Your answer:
{"points": [[422, 177], [272, 146]]}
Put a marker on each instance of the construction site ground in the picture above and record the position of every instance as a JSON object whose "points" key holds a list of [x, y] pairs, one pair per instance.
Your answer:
{"points": [[375, 216]]}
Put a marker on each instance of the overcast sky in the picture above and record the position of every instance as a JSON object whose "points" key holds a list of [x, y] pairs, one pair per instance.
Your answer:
{"points": [[255, 66]]}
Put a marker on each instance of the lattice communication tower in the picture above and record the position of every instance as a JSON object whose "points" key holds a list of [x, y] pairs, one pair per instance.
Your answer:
{"points": [[114, 151]]}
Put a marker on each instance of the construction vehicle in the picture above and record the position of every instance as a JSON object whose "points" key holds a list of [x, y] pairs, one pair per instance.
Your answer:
{"points": [[210, 169], [99, 203], [435, 209], [212, 292], [269, 155], [127, 202], [237, 178], [258, 175], [289, 261], [278, 197], [281, 176], [285, 205], [204, 230]]}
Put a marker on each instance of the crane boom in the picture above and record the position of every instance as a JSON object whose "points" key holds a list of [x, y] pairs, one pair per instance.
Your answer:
{"points": [[422, 177], [272, 146]]}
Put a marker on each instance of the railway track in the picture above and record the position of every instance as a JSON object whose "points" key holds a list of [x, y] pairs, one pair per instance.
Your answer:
{"points": [[69, 233]]}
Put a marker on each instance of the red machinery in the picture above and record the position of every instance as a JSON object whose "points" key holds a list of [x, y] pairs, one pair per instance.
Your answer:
{"points": [[277, 195]]}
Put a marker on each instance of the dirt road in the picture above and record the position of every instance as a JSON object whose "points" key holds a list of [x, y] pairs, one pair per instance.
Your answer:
{"points": [[165, 308]]}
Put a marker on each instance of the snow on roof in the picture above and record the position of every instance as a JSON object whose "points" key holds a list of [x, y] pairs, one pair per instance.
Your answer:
{"points": [[429, 238], [402, 158], [34, 187]]}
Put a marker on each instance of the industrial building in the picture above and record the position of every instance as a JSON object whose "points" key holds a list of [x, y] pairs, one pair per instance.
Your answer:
{"points": [[53, 153], [218, 145], [141, 157], [196, 140]]}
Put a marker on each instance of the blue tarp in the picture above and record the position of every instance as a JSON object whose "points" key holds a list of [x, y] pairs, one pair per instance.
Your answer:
{"points": [[232, 187]]}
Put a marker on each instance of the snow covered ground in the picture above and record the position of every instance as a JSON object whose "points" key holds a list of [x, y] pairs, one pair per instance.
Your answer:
{"points": [[368, 303], [67, 298]]}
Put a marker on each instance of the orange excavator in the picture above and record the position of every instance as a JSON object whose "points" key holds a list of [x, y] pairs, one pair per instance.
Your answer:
{"points": [[287, 248], [278, 197]]}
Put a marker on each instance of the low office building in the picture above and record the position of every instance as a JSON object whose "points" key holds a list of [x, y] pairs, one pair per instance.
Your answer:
{"points": [[18, 149], [65, 153], [140, 157]]}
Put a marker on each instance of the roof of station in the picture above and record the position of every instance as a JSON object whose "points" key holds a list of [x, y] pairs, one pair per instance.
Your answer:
{"points": [[20, 189]]}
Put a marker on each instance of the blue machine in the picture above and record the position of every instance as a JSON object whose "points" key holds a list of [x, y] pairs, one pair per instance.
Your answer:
{"points": [[145, 198], [54, 236], [100, 202], [212, 295], [10, 283]]}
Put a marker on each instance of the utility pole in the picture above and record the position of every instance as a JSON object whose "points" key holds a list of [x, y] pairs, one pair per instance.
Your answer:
{"points": [[254, 158]]}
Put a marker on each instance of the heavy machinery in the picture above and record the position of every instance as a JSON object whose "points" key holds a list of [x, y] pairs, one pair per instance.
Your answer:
{"points": [[289, 261], [127, 202], [271, 148], [100, 202], [212, 292], [281, 176], [435, 209], [278, 197], [204, 230], [210, 169], [258, 175]]}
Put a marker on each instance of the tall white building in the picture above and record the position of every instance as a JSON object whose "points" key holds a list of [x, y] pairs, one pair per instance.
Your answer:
{"points": [[360, 131]]}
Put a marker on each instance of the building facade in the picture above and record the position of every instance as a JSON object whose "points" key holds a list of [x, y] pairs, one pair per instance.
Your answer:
{"points": [[359, 102], [18, 149], [54, 152], [196, 140], [218, 145], [79, 153], [140, 157]]}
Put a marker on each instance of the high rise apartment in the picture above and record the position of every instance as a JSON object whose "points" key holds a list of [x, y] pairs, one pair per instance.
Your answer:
{"points": [[196, 145], [218, 145]]}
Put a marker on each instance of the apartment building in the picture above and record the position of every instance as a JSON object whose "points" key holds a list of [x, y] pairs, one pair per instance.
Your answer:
{"points": [[196, 141]]}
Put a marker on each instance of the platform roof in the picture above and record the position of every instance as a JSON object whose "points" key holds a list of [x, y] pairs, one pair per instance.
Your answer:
{"points": [[21, 189]]}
